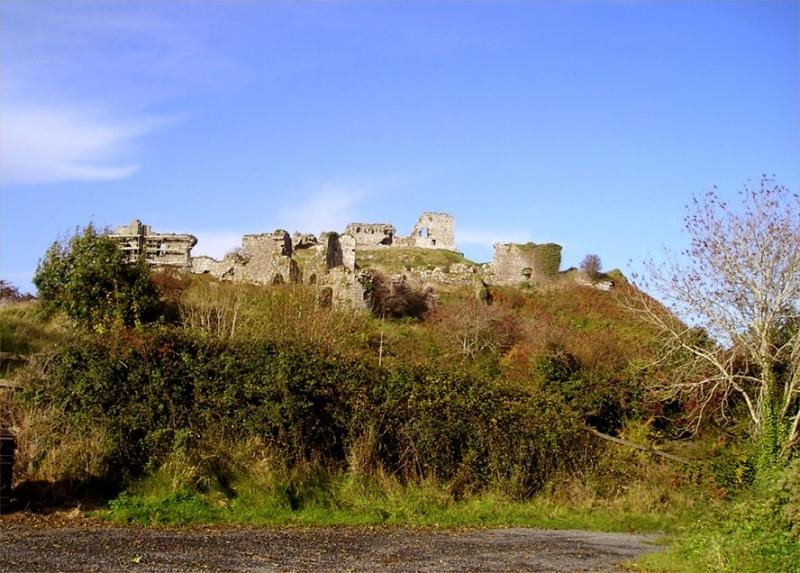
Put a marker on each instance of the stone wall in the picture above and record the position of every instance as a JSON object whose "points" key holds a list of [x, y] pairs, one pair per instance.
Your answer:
{"points": [[330, 261], [371, 234], [164, 250], [515, 263], [267, 259], [435, 231]]}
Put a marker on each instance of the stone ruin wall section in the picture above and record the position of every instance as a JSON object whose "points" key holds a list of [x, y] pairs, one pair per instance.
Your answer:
{"points": [[329, 262], [435, 231], [371, 234], [515, 263], [160, 250]]}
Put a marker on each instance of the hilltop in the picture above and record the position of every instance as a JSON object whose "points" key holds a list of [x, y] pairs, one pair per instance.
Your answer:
{"points": [[334, 261]]}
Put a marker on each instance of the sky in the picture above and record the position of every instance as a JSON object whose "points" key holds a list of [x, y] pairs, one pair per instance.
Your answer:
{"points": [[586, 123]]}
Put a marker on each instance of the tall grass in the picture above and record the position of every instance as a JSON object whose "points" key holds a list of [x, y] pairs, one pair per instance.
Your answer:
{"points": [[252, 486]]}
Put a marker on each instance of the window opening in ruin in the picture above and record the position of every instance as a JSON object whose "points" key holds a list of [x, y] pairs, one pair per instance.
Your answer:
{"points": [[424, 232], [334, 256]]}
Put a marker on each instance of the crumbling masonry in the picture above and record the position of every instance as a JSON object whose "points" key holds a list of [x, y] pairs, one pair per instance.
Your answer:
{"points": [[329, 261], [159, 249]]}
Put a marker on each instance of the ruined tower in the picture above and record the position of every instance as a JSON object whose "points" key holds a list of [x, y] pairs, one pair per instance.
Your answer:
{"points": [[435, 231]]}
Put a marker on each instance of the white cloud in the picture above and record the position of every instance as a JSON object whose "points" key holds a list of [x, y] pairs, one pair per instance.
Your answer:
{"points": [[47, 144], [216, 244], [66, 65], [329, 209]]}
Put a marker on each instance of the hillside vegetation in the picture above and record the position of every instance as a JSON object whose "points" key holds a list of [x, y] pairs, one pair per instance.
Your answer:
{"points": [[233, 403], [399, 259]]}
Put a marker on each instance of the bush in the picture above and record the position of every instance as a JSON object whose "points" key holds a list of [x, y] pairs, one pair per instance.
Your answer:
{"points": [[591, 265], [394, 298], [151, 391], [10, 293], [87, 278]]}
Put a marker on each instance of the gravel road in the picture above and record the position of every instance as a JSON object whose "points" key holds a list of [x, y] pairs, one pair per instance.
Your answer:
{"points": [[84, 545]]}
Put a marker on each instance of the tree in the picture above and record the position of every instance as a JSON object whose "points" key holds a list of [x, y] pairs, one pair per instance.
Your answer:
{"points": [[10, 293], [591, 265], [471, 328], [738, 288], [87, 277]]}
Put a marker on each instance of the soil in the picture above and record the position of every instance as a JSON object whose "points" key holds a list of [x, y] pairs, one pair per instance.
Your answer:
{"points": [[71, 542]]}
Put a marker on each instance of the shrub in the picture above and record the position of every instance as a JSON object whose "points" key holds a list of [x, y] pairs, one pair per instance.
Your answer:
{"points": [[394, 298], [87, 278], [591, 265], [10, 293], [151, 392]]}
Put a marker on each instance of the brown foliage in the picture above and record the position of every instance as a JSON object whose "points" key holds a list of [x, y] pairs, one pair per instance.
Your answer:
{"points": [[471, 328], [395, 297]]}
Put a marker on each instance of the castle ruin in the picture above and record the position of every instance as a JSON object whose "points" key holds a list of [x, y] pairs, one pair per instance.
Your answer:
{"points": [[515, 263], [329, 261], [165, 250]]}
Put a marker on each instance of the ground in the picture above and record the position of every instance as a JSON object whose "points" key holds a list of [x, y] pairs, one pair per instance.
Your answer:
{"points": [[74, 543]]}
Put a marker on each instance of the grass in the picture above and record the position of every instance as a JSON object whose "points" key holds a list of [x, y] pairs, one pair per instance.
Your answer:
{"points": [[353, 502], [25, 329], [398, 259], [748, 532], [251, 487], [747, 535]]}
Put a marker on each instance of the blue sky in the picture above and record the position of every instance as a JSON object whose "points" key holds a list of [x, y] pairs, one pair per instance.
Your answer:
{"points": [[589, 124]]}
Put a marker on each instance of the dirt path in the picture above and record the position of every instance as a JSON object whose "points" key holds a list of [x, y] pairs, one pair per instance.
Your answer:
{"points": [[87, 546]]}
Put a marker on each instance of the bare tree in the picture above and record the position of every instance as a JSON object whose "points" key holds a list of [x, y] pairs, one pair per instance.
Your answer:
{"points": [[471, 328], [737, 287], [591, 265]]}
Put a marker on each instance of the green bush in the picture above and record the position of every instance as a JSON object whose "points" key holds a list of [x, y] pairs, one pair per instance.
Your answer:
{"points": [[548, 258], [88, 278], [750, 534], [156, 390]]}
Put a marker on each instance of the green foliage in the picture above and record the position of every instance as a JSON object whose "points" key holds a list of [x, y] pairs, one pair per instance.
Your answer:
{"points": [[547, 257], [260, 407], [154, 390], [316, 497], [603, 399], [398, 259], [750, 534], [25, 329], [88, 279]]}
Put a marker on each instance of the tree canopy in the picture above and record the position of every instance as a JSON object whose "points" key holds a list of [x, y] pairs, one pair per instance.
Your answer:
{"points": [[738, 288], [87, 278]]}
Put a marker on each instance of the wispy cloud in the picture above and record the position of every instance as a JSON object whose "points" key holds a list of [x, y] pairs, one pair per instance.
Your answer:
{"points": [[46, 144], [82, 82], [330, 208]]}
